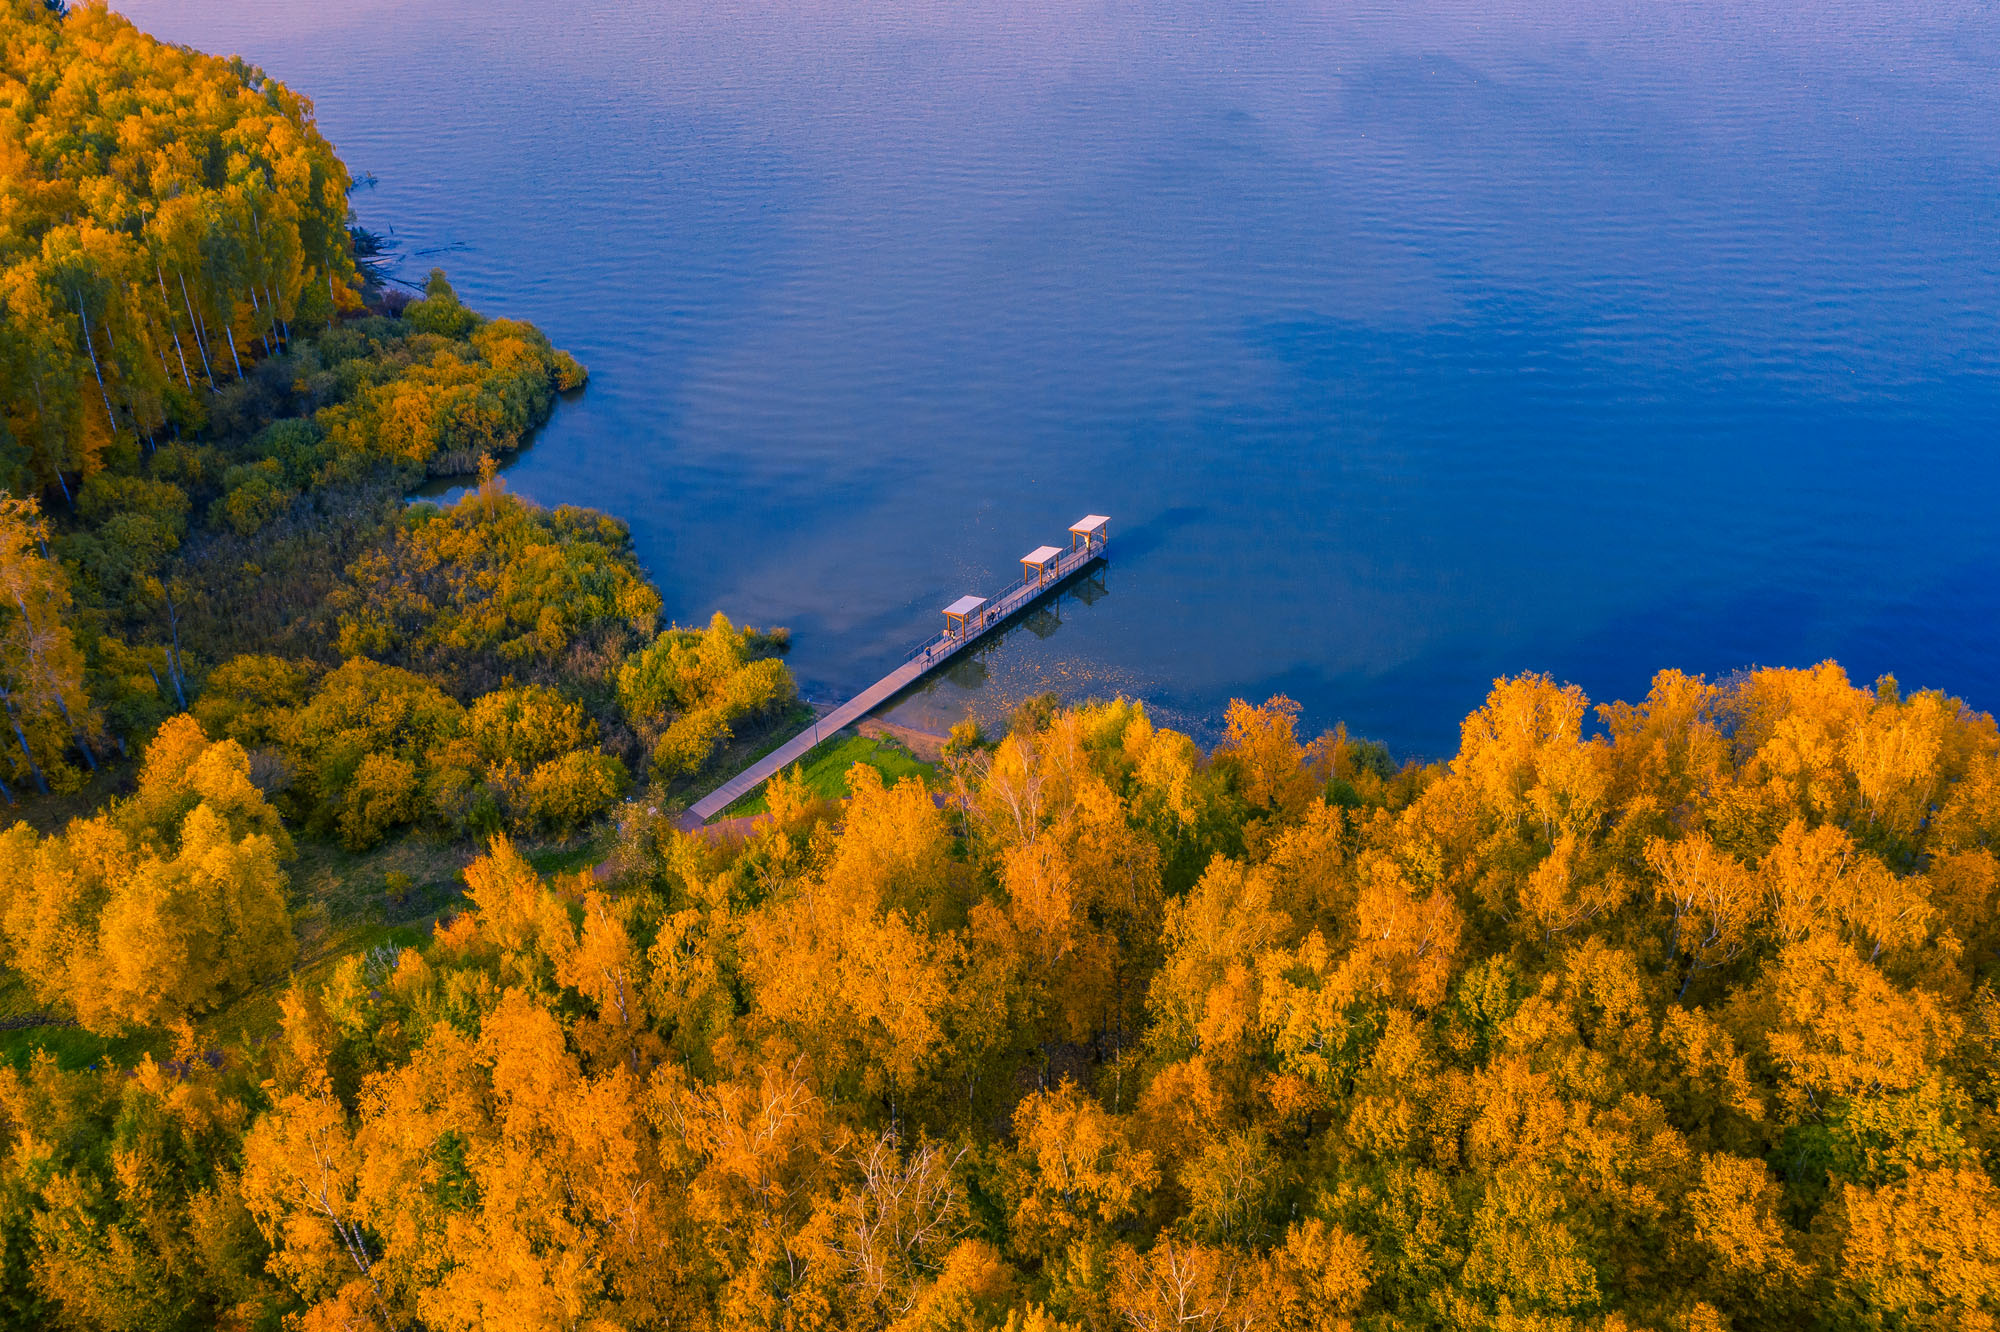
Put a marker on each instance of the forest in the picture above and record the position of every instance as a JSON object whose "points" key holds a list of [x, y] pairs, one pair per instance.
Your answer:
{"points": [[360, 975], [1678, 1015]]}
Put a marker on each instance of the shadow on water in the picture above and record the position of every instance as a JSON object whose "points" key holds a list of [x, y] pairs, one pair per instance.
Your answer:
{"points": [[1090, 589], [1042, 622], [968, 672], [1022, 658]]}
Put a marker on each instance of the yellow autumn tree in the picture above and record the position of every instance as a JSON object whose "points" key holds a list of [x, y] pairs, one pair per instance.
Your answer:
{"points": [[1921, 1253], [163, 908], [1074, 1174], [47, 714]]}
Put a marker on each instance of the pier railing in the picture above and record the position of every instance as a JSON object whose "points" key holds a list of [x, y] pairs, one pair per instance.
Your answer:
{"points": [[1008, 603], [922, 658]]}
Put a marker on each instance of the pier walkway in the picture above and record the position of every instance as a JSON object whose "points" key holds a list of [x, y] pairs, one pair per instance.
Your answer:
{"points": [[1046, 569]]}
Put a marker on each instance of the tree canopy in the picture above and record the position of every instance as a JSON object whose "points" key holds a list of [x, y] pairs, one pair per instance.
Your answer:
{"points": [[163, 215], [1676, 1014]]}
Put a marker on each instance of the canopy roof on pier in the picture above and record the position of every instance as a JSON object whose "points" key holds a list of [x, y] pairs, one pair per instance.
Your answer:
{"points": [[965, 606], [1089, 525], [1041, 555]]}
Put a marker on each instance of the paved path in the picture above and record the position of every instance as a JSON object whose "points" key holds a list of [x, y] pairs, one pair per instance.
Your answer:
{"points": [[922, 661]]}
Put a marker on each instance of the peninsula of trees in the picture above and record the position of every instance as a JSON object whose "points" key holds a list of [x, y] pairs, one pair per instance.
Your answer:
{"points": [[205, 444], [356, 975]]}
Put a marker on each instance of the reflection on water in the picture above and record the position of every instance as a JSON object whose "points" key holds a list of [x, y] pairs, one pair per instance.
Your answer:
{"points": [[1022, 658], [1407, 342], [1042, 622]]}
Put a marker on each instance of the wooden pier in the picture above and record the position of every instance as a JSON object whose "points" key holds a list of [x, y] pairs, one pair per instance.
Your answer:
{"points": [[967, 620]]}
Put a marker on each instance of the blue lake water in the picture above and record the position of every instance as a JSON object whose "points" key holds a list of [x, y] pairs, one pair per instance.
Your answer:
{"points": [[1407, 344]]}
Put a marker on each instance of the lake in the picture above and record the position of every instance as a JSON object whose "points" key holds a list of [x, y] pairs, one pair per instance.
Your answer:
{"points": [[1407, 344]]}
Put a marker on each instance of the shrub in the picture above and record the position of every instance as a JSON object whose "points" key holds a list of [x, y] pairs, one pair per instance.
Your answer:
{"points": [[567, 792], [382, 796]]}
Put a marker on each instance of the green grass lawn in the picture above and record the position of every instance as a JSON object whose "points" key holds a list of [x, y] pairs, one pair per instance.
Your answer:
{"points": [[569, 857], [73, 1047], [826, 769]]}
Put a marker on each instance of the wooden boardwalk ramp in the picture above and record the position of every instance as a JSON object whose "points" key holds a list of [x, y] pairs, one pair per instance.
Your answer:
{"points": [[1044, 570]]}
